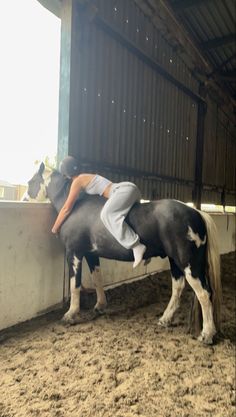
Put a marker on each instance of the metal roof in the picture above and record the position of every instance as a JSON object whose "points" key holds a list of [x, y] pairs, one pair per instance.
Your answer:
{"points": [[211, 24]]}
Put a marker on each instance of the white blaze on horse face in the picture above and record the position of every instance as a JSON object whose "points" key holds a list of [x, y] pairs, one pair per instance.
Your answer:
{"points": [[203, 297], [42, 194], [194, 237], [47, 176]]}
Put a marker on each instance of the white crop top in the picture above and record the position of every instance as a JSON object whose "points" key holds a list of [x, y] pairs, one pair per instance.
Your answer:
{"points": [[97, 185]]}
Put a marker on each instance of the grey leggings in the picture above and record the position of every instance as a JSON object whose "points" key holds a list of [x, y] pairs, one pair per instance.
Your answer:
{"points": [[122, 197]]}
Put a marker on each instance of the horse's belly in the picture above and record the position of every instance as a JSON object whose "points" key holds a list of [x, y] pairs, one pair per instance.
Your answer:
{"points": [[118, 255]]}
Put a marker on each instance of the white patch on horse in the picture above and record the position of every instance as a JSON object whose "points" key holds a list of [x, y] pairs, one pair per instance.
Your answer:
{"points": [[194, 237], [42, 194], [25, 197], [74, 301], [203, 297], [177, 289], [47, 176], [94, 247], [76, 262], [47, 181]]}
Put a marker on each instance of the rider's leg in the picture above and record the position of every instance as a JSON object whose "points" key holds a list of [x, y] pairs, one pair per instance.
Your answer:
{"points": [[123, 196]]}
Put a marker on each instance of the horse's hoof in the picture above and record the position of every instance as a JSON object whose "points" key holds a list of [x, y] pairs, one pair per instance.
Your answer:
{"points": [[99, 312], [71, 319], [100, 308], [205, 339], [163, 323]]}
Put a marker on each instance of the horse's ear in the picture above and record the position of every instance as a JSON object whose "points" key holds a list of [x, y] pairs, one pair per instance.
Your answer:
{"points": [[41, 169]]}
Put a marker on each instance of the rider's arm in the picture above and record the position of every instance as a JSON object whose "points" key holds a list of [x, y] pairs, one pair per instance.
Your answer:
{"points": [[77, 185]]}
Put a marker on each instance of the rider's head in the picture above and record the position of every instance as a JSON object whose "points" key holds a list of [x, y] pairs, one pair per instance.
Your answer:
{"points": [[69, 167]]}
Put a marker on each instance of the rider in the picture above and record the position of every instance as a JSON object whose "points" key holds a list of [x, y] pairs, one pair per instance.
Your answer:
{"points": [[120, 198]]}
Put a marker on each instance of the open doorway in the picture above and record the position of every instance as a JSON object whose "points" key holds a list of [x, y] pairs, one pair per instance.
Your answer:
{"points": [[29, 85]]}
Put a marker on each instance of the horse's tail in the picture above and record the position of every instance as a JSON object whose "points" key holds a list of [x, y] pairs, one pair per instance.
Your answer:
{"points": [[213, 267], [212, 272]]}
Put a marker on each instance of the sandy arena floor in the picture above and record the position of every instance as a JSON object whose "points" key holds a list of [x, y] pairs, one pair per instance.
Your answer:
{"points": [[121, 364]]}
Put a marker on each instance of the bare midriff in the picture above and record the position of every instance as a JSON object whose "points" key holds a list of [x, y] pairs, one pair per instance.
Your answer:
{"points": [[107, 190]]}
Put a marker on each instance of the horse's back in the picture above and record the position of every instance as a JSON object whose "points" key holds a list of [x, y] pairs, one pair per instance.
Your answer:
{"points": [[167, 215], [182, 231]]}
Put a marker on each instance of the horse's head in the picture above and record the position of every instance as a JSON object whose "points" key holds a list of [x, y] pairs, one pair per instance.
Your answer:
{"points": [[48, 185], [37, 185]]}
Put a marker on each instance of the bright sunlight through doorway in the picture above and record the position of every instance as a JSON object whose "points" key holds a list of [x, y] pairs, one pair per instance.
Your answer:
{"points": [[29, 85]]}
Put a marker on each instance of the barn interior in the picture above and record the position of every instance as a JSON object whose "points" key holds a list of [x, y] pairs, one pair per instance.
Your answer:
{"points": [[147, 94]]}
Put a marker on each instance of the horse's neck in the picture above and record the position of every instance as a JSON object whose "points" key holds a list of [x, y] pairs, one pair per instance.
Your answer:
{"points": [[57, 202], [58, 190]]}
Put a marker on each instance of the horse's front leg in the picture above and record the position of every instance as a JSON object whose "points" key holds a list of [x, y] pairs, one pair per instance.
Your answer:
{"points": [[94, 266], [101, 296], [75, 272]]}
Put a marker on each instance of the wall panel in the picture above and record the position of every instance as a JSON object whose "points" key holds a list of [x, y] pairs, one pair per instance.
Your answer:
{"points": [[135, 108], [219, 157]]}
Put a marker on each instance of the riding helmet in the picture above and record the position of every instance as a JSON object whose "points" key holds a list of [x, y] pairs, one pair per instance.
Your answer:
{"points": [[69, 167]]}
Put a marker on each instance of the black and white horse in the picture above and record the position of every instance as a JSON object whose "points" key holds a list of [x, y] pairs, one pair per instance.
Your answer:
{"points": [[167, 228]]}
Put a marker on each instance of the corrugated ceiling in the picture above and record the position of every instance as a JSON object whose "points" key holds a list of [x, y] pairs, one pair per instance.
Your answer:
{"points": [[211, 24]]}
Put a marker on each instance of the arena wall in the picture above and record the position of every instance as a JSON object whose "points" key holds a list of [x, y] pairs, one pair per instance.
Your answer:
{"points": [[33, 275]]}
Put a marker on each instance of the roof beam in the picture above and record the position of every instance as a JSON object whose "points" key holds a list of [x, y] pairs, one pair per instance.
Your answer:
{"points": [[181, 5], [222, 65], [167, 22], [216, 42]]}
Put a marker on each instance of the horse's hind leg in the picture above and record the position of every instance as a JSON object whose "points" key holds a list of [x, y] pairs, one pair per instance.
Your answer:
{"points": [[94, 266], [75, 271], [178, 283], [200, 287]]}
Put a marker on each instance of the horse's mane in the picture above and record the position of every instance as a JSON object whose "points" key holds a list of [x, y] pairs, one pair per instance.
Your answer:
{"points": [[63, 185]]}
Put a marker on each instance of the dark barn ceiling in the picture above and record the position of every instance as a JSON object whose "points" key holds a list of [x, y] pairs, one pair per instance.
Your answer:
{"points": [[212, 26]]}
